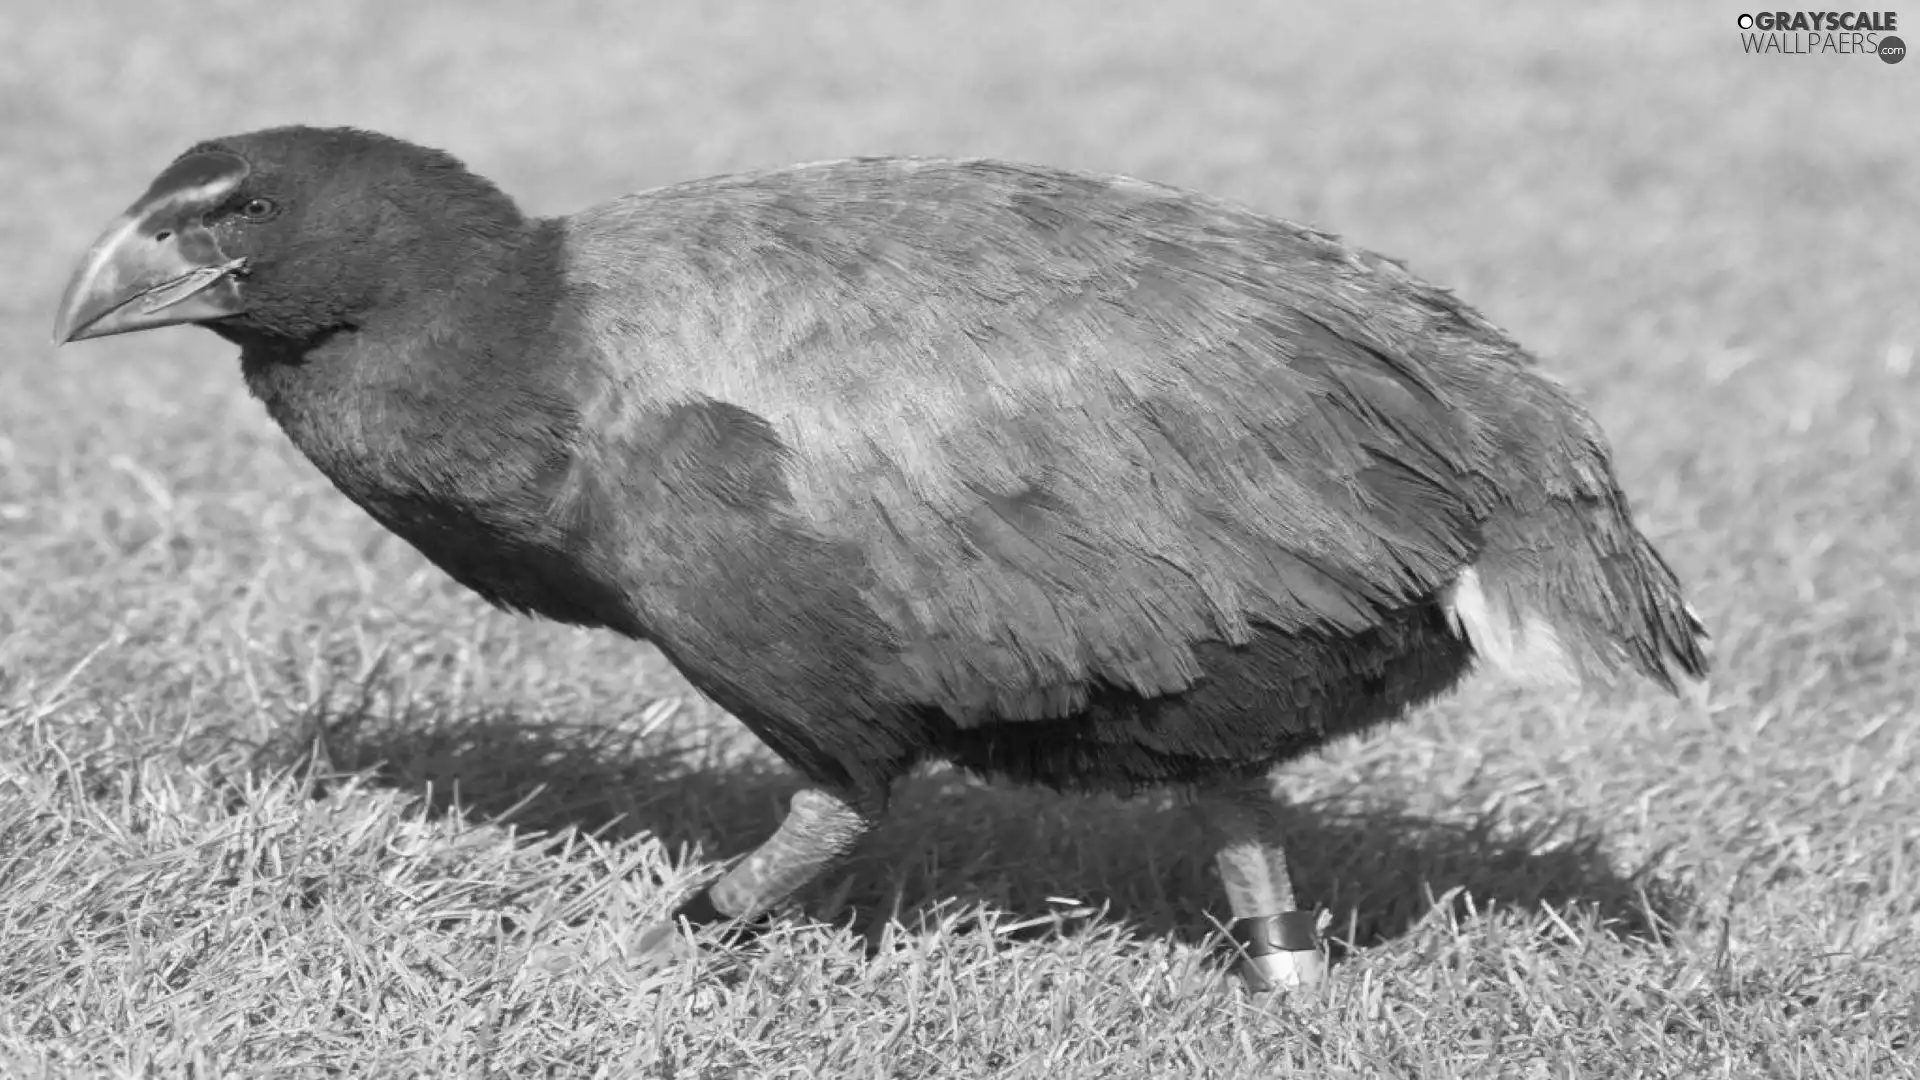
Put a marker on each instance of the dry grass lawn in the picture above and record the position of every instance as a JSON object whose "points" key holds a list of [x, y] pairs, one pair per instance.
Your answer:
{"points": [[276, 798]]}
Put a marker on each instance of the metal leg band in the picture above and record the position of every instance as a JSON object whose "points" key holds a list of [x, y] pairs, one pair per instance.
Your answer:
{"points": [[1289, 931]]}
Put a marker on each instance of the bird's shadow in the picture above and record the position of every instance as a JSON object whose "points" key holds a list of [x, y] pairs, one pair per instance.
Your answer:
{"points": [[1033, 855]]}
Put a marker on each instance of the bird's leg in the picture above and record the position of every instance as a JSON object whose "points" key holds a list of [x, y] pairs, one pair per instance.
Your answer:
{"points": [[1279, 945], [820, 831]]}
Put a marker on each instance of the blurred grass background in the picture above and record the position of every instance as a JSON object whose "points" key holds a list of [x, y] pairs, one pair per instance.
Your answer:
{"points": [[197, 634]]}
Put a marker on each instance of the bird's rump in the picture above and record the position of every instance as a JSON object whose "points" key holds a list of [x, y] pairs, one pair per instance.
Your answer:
{"points": [[1072, 427]]}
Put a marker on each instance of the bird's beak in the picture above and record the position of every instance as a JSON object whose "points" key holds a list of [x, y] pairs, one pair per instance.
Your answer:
{"points": [[158, 264]]}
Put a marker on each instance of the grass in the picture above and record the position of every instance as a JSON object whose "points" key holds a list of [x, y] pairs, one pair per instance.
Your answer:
{"points": [[276, 798]]}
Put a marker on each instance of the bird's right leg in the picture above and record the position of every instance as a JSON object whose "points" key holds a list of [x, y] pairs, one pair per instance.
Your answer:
{"points": [[1279, 944]]}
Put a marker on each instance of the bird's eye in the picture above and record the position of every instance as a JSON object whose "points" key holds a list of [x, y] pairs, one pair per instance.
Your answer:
{"points": [[257, 209]]}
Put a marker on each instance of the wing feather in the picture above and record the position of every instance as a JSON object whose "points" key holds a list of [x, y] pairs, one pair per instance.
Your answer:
{"points": [[1075, 425]]}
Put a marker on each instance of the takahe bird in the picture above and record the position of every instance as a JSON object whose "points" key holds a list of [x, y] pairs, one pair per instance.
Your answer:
{"points": [[1070, 479]]}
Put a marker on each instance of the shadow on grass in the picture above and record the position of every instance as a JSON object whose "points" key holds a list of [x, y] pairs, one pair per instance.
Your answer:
{"points": [[951, 838]]}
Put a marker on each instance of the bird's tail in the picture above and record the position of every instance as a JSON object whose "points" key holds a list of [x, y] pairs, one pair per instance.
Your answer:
{"points": [[1574, 591]]}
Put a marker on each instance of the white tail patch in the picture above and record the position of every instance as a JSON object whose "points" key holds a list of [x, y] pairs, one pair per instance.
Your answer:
{"points": [[1519, 642], [1694, 691]]}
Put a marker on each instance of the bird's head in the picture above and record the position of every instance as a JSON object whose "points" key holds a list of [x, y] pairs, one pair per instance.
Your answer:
{"points": [[289, 232]]}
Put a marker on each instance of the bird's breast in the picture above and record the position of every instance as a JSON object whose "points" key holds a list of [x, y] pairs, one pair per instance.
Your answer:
{"points": [[483, 493]]}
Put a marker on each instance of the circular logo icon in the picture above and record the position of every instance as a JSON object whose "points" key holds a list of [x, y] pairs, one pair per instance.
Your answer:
{"points": [[1892, 50]]}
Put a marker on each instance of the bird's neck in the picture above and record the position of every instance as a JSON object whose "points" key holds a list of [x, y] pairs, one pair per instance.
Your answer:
{"points": [[451, 396]]}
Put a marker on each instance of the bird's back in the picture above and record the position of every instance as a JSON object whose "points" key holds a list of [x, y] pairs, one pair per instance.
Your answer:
{"points": [[1060, 435]]}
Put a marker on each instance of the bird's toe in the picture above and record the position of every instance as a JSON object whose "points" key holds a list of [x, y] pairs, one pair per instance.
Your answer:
{"points": [[661, 944]]}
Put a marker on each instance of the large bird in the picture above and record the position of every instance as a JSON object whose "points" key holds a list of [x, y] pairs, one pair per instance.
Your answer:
{"points": [[1070, 479]]}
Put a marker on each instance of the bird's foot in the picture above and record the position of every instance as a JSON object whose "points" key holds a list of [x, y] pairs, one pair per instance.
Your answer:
{"points": [[662, 944], [668, 940]]}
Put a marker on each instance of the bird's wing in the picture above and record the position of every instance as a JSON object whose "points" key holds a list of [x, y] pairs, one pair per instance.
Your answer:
{"points": [[1074, 425]]}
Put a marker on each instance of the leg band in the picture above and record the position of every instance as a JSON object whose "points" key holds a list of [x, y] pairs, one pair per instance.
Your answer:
{"points": [[1263, 935]]}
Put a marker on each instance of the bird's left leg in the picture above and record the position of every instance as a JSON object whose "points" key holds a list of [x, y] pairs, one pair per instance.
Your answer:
{"points": [[821, 830], [1280, 945]]}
